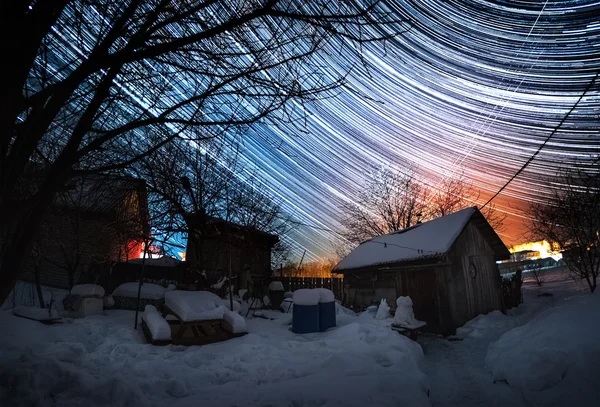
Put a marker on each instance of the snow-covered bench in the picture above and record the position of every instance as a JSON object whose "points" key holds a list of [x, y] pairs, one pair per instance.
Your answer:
{"points": [[200, 317]]}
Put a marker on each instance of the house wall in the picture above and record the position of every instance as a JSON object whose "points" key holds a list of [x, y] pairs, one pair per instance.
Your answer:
{"points": [[468, 295]]}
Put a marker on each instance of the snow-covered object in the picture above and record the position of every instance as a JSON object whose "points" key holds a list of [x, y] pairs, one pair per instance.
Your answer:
{"points": [[87, 307], [306, 296], [237, 322], [227, 303], [405, 316], [325, 295], [383, 312], [88, 290], [422, 240], [170, 287], [372, 309], [276, 286], [195, 305], [158, 326], [149, 291], [108, 301], [557, 352], [288, 294], [37, 313], [266, 300], [219, 284]]}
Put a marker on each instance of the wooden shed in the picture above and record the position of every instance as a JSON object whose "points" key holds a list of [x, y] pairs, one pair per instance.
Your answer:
{"points": [[447, 266]]}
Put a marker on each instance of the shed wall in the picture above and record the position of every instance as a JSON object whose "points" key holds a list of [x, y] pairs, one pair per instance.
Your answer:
{"points": [[471, 294]]}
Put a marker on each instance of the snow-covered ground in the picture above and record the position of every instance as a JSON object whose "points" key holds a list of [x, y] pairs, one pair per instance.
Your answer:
{"points": [[495, 360], [103, 361], [458, 374]]}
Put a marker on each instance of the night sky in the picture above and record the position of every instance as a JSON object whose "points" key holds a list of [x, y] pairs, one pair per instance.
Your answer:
{"points": [[474, 86]]}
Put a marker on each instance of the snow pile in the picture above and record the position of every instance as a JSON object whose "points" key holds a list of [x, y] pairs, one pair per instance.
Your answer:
{"points": [[276, 286], [405, 316], [306, 296], [383, 312], [236, 321], [158, 326], [482, 324], [36, 313], [88, 290], [195, 305], [148, 292], [170, 287], [553, 358], [325, 295]]}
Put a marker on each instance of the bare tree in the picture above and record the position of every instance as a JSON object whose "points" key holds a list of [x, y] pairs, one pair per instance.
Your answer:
{"points": [[569, 218], [392, 201], [94, 85], [538, 272], [457, 192], [389, 201]]}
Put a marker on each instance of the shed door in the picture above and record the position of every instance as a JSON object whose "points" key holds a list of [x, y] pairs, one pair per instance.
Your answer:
{"points": [[420, 286]]}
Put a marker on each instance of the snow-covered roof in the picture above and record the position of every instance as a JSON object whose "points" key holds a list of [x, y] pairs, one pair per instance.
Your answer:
{"points": [[427, 239]]}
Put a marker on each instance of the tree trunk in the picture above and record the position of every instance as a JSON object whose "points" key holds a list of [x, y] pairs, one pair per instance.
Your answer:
{"points": [[18, 236]]}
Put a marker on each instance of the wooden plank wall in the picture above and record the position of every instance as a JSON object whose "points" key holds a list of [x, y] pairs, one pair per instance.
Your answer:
{"points": [[472, 295]]}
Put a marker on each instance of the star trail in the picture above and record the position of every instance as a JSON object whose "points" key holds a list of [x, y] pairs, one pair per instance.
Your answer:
{"points": [[473, 86]]}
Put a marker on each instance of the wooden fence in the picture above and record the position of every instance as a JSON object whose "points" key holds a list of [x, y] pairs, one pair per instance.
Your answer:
{"points": [[335, 284]]}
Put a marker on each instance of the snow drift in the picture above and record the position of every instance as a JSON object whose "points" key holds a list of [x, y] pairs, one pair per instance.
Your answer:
{"points": [[557, 354]]}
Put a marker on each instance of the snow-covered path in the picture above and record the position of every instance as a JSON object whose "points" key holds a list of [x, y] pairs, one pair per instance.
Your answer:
{"points": [[457, 376]]}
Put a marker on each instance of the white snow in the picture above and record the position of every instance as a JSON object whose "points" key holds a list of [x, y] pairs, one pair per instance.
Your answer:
{"points": [[227, 303], [276, 286], [423, 240], [325, 295], [195, 305], [383, 312], [149, 291], [559, 351], [405, 316], [103, 361], [306, 296], [237, 322], [219, 284], [37, 313], [158, 326], [88, 290]]}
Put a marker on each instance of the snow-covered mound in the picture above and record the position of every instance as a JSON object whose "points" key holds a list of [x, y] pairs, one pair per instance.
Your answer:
{"points": [[237, 322], [195, 305], [558, 353], [276, 286], [149, 291], [481, 324]]}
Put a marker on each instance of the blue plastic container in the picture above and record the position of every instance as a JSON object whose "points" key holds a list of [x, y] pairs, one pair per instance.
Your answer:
{"points": [[326, 315], [305, 319]]}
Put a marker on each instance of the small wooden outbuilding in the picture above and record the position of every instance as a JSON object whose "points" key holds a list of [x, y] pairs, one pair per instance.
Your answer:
{"points": [[447, 266]]}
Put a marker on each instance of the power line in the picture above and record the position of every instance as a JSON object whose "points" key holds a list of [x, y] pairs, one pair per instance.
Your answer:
{"points": [[589, 86]]}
